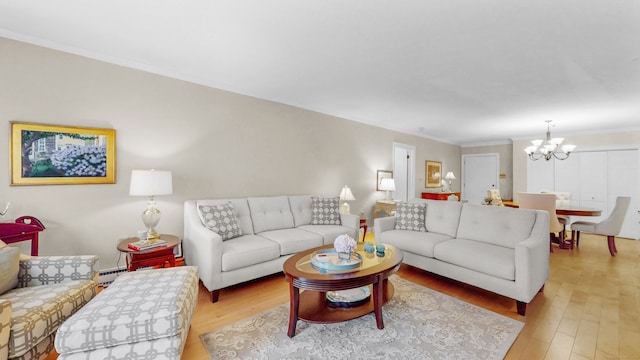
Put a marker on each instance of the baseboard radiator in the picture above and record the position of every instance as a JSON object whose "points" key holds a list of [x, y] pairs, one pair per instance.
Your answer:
{"points": [[107, 276]]}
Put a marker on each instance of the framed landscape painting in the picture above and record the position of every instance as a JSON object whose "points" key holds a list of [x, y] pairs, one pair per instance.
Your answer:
{"points": [[57, 155], [433, 174]]}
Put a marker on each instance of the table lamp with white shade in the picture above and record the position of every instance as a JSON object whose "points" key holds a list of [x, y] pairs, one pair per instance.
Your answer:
{"points": [[450, 176], [151, 183], [346, 195], [388, 185]]}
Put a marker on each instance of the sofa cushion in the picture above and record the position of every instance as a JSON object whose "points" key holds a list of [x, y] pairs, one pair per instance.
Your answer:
{"points": [[325, 211], [410, 216], [419, 243], [479, 256], [248, 250], [329, 233], [292, 241], [301, 209], [220, 219], [9, 266], [241, 210], [443, 216], [270, 213], [498, 225], [38, 311]]}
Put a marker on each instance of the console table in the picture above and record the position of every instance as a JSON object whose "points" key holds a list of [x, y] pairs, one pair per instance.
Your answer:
{"points": [[23, 229], [439, 195], [386, 206]]}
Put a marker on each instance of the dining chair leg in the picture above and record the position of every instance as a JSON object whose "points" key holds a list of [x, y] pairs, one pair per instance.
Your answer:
{"points": [[611, 240], [551, 236]]}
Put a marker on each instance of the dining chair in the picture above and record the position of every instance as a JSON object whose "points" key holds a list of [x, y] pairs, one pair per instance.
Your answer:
{"points": [[562, 199], [610, 227], [545, 202]]}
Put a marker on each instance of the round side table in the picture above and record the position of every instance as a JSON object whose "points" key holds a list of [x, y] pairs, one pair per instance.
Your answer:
{"points": [[157, 256]]}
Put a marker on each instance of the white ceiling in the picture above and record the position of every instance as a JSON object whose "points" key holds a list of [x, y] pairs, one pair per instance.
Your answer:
{"points": [[460, 71]]}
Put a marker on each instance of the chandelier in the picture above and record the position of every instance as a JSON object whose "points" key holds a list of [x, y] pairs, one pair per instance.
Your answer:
{"points": [[546, 149]]}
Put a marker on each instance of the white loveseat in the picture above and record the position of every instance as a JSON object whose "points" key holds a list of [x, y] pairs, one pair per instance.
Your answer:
{"points": [[269, 230], [500, 249]]}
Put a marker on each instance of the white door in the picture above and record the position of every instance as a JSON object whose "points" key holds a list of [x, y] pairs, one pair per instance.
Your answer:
{"points": [[540, 175], [624, 179], [404, 171], [480, 172]]}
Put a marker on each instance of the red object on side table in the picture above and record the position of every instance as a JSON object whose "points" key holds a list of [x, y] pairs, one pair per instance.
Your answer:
{"points": [[25, 228], [157, 256]]}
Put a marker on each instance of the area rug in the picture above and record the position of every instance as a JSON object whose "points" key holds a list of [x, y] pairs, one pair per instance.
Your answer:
{"points": [[419, 323]]}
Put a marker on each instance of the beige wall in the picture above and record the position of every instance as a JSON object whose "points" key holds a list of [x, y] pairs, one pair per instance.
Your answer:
{"points": [[217, 144]]}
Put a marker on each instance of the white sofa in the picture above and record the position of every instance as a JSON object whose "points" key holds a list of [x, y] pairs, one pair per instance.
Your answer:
{"points": [[271, 229], [500, 249]]}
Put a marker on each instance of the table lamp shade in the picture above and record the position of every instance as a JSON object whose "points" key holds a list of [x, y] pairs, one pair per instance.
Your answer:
{"points": [[150, 183], [387, 184], [346, 194], [450, 176]]}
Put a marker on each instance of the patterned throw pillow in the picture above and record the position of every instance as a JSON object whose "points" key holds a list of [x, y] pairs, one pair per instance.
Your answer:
{"points": [[325, 211], [9, 262], [410, 216], [221, 220]]}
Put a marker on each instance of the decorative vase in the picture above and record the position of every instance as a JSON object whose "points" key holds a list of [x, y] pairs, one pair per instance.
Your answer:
{"points": [[344, 256]]}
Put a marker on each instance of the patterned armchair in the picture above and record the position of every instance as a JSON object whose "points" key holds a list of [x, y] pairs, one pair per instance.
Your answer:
{"points": [[49, 289]]}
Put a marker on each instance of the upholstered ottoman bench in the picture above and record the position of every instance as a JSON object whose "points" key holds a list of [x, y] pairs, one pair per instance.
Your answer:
{"points": [[141, 315]]}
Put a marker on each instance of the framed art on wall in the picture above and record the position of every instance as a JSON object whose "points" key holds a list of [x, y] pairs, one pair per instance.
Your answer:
{"points": [[61, 155], [432, 173], [382, 174]]}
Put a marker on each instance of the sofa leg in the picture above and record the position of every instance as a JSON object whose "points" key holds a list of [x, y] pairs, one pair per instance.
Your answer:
{"points": [[522, 307], [215, 295], [612, 245]]}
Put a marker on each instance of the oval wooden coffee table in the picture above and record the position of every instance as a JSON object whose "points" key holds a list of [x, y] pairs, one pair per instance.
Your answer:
{"points": [[311, 305]]}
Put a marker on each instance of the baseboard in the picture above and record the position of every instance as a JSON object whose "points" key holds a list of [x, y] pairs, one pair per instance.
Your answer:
{"points": [[107, 276]]}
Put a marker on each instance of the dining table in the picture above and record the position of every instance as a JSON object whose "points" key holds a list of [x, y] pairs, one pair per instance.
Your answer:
{"points": [[566, 210]]}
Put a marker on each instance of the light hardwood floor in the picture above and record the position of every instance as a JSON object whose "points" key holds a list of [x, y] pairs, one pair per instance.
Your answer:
{"points": [[590, 307]]}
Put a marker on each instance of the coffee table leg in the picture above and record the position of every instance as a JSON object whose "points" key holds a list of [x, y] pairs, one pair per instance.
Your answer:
{"points": [[294, 304], [378, 288]]}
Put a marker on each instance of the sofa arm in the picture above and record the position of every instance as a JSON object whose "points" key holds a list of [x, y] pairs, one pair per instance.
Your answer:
{"points": [[202, 247], [383, 224], [44, 270], [532, 259], [5, 327], [352, 222]]}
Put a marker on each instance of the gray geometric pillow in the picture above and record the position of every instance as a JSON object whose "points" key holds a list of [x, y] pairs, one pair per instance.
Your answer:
{"points": [[220, 219], [325, 211], [410, 216]]}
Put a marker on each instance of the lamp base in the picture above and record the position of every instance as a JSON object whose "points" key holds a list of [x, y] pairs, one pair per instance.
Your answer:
{"points": [[150, 218], [345, 208]]}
